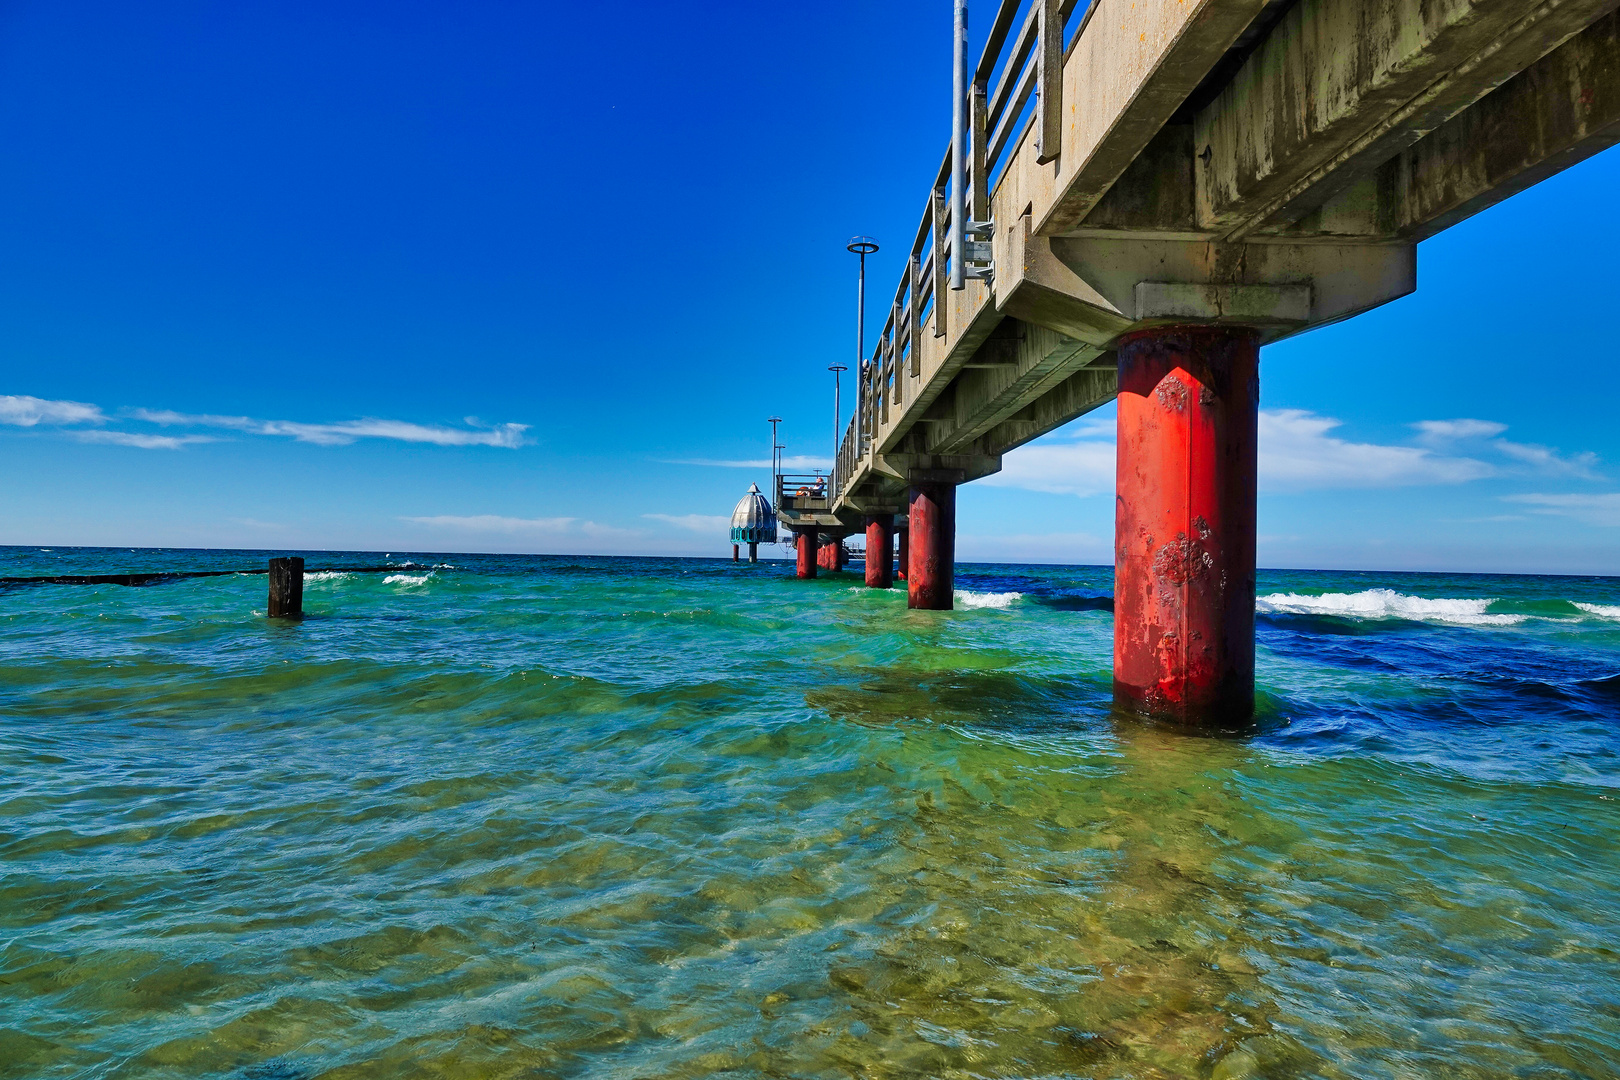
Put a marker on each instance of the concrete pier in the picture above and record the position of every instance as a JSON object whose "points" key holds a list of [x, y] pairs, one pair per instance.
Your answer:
{"points": [[880, 551], [1194, 181], [931, 577], [1184, 528]]}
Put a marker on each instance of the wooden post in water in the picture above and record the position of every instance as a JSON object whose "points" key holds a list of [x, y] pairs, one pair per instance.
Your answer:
{"points": [[287, 588]]}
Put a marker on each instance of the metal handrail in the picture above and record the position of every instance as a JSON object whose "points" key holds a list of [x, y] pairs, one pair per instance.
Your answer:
{"points": [[1023, 67]]}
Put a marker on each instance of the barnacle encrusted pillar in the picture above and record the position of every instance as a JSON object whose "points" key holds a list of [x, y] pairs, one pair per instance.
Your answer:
{"points": [[1184, 524]]}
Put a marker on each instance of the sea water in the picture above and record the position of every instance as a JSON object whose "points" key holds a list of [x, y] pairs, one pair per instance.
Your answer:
{"points": [[490, 816]]}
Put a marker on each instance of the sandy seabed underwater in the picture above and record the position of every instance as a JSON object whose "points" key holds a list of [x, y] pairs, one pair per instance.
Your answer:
{"points": [[500, 816]]}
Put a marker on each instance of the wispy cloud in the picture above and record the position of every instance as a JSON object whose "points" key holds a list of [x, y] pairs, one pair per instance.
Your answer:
{"points": [[21, 410], [344, 432], [1545, 459], [493, 523], [1444, 434], [140, 441], [800, 462], [1592, 509], [1082, 467], [700, 523], [1298, 453], [1446, 431]]}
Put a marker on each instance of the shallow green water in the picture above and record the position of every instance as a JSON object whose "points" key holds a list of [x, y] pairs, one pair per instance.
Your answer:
{"points": [[636, 818]]}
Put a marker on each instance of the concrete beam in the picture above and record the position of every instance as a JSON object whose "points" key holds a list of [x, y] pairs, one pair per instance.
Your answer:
{"points": [[1087, 389], [1131, 68], [1340, 86], [985, 397], [1562, 110]]}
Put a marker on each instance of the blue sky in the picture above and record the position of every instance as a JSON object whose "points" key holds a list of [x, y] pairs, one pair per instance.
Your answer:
{"points": [[495, 276]]}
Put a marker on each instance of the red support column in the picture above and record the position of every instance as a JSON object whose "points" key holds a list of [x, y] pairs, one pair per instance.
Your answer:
{"points": [[1184, 522], [931, 575], [880, 550], [902, 561], [804, 541], [733, 552], [831, 554]]}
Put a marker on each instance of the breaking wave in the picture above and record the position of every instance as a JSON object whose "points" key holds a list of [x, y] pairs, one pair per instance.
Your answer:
{"points": [[1386, 604], [406, 579], [996, 600], [1605, 611], [325, 575]]}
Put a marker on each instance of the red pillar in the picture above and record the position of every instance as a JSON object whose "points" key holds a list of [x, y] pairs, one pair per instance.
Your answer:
{"points": [[831, 555], [804, 542], [880, 550], [1185, 521], [931, 575], [902, 562], [733, 552]]}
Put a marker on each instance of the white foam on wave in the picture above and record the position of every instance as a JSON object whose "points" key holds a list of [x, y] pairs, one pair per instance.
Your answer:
{"points": [[999, 601], [1387, 604], [325, 575], [406, 579], [1605, 611]]}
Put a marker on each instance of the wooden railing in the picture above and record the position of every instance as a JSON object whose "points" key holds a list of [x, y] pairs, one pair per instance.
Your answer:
{"points": [[1028, 64]]}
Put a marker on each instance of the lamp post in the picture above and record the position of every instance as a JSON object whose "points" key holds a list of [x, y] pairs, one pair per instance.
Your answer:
{"points": [[838, 410], [776, 459], [862, 246]]}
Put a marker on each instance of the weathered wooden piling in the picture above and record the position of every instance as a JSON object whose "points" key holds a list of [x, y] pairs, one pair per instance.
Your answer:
{"points": [[287, 588]]}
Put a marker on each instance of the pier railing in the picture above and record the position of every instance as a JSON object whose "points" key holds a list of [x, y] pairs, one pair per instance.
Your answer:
{"points": [[803, 492], [1027, 91]]}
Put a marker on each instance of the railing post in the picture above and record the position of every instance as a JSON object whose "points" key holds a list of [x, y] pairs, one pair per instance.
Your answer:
{"points": [[959, 151], [978, 123], [894, 358], [914, 324], [1049, 83], [941, 246]]}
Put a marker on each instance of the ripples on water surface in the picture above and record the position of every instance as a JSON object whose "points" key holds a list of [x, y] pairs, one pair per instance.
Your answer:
{"points": [[574, 817]]}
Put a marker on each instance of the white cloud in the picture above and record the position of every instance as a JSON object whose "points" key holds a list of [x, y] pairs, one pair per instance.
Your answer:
{"points": [[1546, 459], [21, 410], [1592, 509], [798, 463], [492, 523], [1297, 453], [1063, 468], [1441, 431], [142, 442], [509, 436], [701, 523]]}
